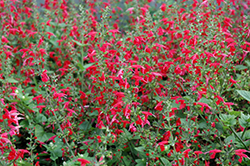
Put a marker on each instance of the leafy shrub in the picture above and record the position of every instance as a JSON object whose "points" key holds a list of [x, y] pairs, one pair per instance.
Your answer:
{"points": [[112, 83]]}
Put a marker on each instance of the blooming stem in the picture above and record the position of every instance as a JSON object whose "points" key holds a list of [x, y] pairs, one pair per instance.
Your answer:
{"points": [[66, 141], [234, 134]]}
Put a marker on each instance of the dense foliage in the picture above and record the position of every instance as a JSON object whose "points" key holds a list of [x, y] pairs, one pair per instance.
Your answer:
{"points": [[127, 83]]}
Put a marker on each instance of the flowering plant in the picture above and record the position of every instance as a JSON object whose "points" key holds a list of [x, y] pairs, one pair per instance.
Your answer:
{"points": [[133, 83]]}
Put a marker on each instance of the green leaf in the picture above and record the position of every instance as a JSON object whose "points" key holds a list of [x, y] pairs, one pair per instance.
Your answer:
{"points": [[53, 40], [203, 124], [94, 113], [81, 66], [23, 163], [126, 161], [40, 118], [245, 117], [174, 105], [85, 126], [226, 117], [24, 123], [88, 65], [140, 162], [80, 44], [246, 135], [57, 152], [204, 100], [62, 25], [140, 149], [248, 63], [236, 113], [136, 137], [243, 123], [229, 138], [180, 115], [127, 133], [41, 134], [165, 161], [240, 67], [244, 94], [219, 127], [11, 80]]}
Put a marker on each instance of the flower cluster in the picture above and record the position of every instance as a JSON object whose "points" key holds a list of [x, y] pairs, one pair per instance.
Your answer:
{"points": [[134, 82]]}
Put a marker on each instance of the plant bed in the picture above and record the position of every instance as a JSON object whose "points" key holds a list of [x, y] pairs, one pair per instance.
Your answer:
{"points": [[124, 83]]}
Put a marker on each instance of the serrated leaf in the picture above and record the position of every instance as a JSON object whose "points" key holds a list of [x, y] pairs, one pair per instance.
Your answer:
{"points": [[85, 126], [243, 123], [88, 65], [94, 113], [11, 80], [248, 63], [240, 67], [203, 124], [204, 100], [229, 138], [244, 94], [219, 127], [80, 44], [165, 161], [126, 161], [62, 25], [140, 162], [81, 66], [246, 135], [41, 134], [23, 163], [245, 117], [140, 149], [40, 118], [24, 123], [236, 113], [226, 117], [128, 134]]}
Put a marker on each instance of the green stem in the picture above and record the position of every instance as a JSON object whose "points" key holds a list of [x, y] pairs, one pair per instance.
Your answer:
{"points": [[62, 132], [243, 132], [65, 138], [234, 134], [238, 137]]}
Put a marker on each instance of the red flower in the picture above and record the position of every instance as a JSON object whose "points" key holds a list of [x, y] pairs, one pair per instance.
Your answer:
{"points": [[45, 77], [197, 153], [203, 105], [213, 153], [178, 122], [83, 161], [163, 7], [12, 154], [240, 153], [186, 153], [159, 106], [4, 40], [232, 81]]}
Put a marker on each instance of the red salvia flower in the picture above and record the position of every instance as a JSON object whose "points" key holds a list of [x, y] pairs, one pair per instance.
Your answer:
{"points": [[159, 106], [45, 77], [186, 153], [240, 153], [213, 153], [83, 161]]}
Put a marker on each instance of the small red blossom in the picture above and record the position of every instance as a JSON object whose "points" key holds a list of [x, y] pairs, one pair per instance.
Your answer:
{"points": [[45, 77], [213, 153], [4, 40], [159, 106], [83, 161], [240, 153], [186, 153]]}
